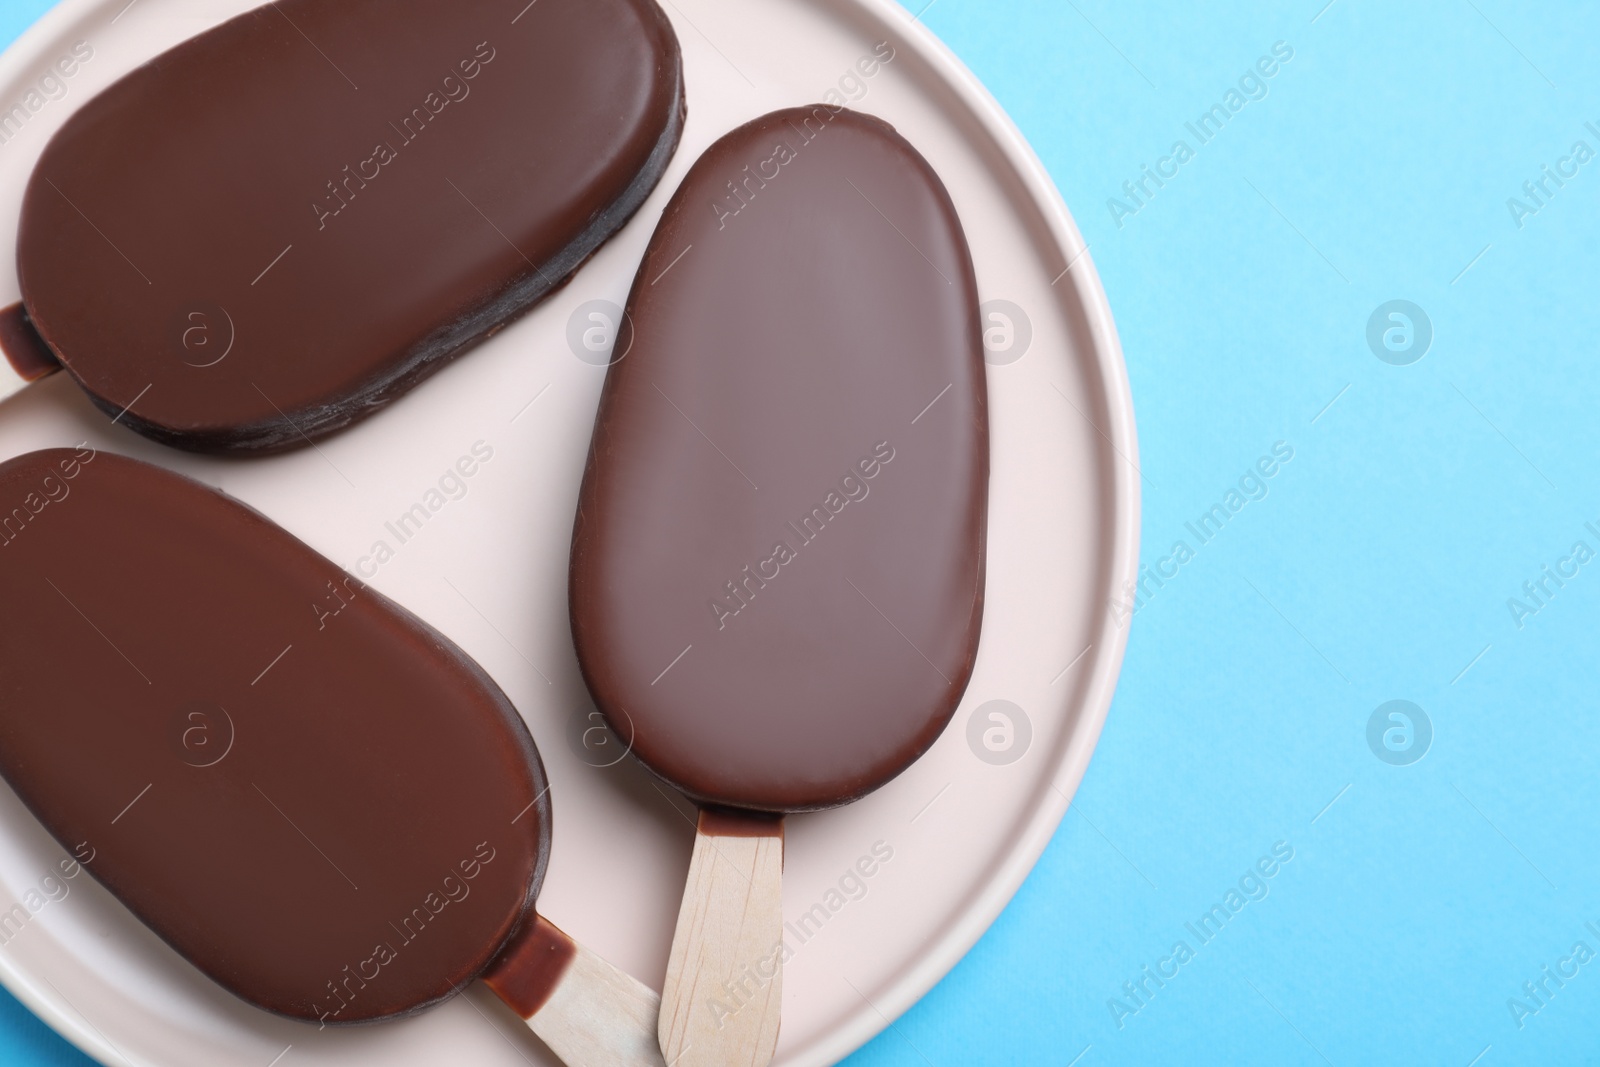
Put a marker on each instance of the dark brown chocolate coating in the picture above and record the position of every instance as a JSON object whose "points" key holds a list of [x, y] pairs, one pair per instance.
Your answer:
{"points": [[22, 346], [530, 969], [425, 169], [778, 561], [306, 791]]}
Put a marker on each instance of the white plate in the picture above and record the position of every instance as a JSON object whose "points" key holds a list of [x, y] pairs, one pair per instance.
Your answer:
{"points": [[489, 569]]}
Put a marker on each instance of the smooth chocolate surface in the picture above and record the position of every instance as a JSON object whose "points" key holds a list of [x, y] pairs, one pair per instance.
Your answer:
{"points": [[528, 971], [778, 560], [280, 225], [22, 346], [302, 788]]}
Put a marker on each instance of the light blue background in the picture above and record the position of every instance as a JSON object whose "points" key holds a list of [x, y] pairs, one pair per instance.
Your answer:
{"points": [[1377, 168]]}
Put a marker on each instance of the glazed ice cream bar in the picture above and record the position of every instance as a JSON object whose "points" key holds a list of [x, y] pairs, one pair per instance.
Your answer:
{"points": [[281, 225], [787, 484], [778, 563], [311, 795]]}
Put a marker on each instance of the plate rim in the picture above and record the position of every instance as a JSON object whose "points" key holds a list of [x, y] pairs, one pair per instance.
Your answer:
{"points": [[1032, 837]]}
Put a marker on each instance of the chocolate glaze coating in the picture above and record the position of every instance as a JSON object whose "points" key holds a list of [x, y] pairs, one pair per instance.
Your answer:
{"points": [[301, 787], [778, 560], [22, 346], [425, 169]]}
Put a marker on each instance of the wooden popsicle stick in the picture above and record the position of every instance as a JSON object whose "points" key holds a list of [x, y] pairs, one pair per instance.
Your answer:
{"points": [[590, 1013], [723, 995]]}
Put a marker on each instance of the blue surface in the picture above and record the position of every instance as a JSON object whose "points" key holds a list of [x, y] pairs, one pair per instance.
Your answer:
{"points": [[1422, 894]]}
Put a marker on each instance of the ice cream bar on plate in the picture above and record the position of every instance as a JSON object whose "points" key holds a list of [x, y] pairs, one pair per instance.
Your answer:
{"points": [[284, 223], [310, 794], [778, 561]]}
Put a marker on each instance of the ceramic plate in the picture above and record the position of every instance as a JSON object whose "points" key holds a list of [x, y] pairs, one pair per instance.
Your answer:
{"points": [[950, 840]]}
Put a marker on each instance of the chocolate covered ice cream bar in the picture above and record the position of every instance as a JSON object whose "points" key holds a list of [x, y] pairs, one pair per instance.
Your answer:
{"points": [[778, 562], [310, 794], [281, 225]]}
